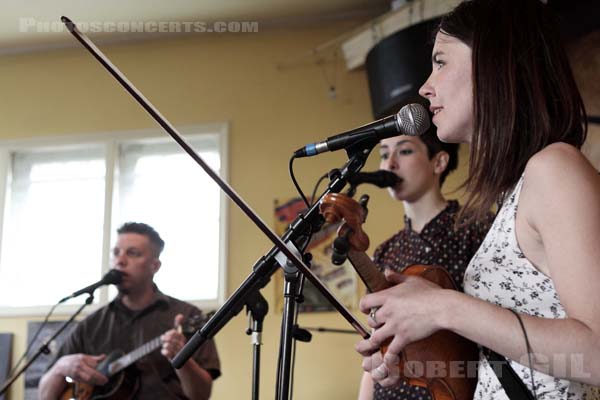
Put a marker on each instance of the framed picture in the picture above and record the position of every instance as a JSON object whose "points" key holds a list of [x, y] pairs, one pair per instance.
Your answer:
{"points": [[39, 367], [340, 279], [5, 356]]}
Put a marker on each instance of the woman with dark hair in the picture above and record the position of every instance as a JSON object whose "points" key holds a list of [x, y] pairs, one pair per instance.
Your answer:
{"points": [[428, 237], [501, 81]]}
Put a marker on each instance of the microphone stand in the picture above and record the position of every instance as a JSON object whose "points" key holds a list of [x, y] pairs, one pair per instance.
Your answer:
{"points": [[256, 307], [292, 294], [296, 237], [44, 347], [286, 247]]}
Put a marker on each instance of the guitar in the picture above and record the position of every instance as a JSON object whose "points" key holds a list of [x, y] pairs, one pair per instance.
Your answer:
{"points": [[123, 380]]}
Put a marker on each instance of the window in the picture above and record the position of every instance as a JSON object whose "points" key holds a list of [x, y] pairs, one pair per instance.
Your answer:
{"points": [[63, 203]]}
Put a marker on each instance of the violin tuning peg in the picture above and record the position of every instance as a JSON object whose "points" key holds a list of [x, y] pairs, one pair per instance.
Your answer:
{"points": [[338, 258]]}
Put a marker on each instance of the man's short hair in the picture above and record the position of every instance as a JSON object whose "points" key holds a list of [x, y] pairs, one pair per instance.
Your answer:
{"points": [[144, 229], [435, 145]]}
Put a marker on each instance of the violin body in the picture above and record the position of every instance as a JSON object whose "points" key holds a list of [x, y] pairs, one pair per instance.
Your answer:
{"points": [[444, 362]]}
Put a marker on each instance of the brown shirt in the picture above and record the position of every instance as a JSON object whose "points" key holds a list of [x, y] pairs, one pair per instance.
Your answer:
{"points": [[437, 244], [115, 327]]}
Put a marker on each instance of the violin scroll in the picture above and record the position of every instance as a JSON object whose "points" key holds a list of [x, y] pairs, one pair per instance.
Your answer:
{"points": [[337, 207]]}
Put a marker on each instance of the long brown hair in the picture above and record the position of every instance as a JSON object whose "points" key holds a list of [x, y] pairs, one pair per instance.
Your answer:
{"points": [[525, 96]]}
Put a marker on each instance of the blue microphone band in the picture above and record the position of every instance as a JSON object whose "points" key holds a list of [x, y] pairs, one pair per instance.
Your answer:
{"points": [[310, 149]]}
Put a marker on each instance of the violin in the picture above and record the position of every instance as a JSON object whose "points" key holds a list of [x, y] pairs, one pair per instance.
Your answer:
{"points": [[439, 362]]}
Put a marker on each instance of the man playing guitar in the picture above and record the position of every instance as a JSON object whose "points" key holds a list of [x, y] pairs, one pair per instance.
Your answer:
{"points": [[138, 314]]}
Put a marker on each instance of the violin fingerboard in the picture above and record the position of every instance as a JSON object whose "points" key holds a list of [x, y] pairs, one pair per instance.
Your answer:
{"points": [[368, 271]]}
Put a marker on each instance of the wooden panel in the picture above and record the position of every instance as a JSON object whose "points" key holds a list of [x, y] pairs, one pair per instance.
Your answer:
{"points": [[584, 54], [356, 48]]}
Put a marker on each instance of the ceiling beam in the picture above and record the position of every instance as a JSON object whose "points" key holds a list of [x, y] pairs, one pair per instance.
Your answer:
{"points": [[356, 48]]}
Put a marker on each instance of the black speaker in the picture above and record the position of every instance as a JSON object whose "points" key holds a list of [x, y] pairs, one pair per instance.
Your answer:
{"points": [[398, 66]]}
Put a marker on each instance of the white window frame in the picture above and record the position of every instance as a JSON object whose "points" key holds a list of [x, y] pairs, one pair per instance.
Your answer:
{"points": [[111, 142]]}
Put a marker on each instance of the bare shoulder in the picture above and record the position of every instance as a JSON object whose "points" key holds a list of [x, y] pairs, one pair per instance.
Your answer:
{"points": [[559, 165], [558, 177], [557, 158]]}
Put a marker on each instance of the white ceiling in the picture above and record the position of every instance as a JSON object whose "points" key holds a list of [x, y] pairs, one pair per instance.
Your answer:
{"points": [[27, 25]]}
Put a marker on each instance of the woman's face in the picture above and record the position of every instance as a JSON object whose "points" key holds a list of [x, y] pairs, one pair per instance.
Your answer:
{"points": [[449, 89], [408, 158]]}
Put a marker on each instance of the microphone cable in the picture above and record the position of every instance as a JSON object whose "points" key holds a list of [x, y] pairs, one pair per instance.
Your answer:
{"points": [[314, 193], [291, 169]]}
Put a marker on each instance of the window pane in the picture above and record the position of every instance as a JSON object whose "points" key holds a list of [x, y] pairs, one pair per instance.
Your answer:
{"points": [[52, 237], [163, 187]]}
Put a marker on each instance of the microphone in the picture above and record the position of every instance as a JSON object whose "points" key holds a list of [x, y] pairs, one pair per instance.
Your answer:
{"points": [[381, 178], [411, 120], [112, 277]]}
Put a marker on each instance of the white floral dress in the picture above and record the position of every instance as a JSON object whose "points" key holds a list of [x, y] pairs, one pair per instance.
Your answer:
{"points": [[500, 274]]}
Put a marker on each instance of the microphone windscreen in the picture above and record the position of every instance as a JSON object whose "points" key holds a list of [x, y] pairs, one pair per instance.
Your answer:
{"points": [[113, 277], [380, 178], [387, 179], [413, 120]]}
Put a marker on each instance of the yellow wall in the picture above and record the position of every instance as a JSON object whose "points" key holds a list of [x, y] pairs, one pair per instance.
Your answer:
{"points": [[215, 78]]}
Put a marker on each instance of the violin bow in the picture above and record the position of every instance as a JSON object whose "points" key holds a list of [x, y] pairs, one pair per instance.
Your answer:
{"points": [[289, 252]]}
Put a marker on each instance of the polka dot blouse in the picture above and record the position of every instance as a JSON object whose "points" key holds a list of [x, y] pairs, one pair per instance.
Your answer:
{"points": [[437, 244]]}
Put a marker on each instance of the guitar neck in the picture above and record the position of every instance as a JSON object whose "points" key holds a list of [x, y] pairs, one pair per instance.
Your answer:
{"points": [[373, 279], [129, 358]]}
